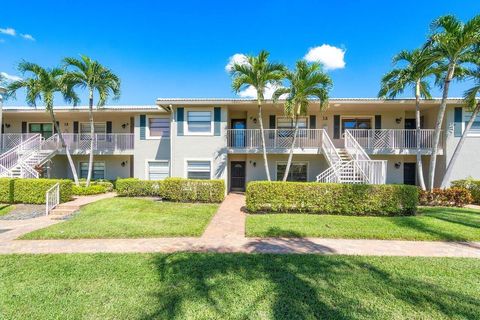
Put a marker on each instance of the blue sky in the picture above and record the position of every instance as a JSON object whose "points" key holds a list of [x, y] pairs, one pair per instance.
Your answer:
{"points": [[181, 48]]}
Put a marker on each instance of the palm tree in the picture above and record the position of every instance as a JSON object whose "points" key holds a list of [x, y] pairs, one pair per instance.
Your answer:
{"points": [[259, 73], [91, 75], [451, 42], [42, 85], [472, 104], [415, 67], [307, 82], [2, 83]]}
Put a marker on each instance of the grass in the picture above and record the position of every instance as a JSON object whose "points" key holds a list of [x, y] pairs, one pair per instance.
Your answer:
{"points": [[237, 286], [131, 218], [5, 208], [431, 223]]}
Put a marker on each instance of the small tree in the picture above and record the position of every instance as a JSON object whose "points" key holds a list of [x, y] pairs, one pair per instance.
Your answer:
{"points": [[306, 82], [91, 75], [42, 85], [258, 72], [415, 68]]}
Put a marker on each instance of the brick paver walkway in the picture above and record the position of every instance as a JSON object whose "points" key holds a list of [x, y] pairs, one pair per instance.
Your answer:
{"points": [[226, 233]]}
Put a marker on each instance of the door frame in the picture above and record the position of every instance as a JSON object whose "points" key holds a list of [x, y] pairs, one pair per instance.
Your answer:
{"points": [[245, 175]]}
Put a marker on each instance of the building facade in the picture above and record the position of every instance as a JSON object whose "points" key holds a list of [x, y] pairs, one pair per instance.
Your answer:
{"points": [[354, 140]]}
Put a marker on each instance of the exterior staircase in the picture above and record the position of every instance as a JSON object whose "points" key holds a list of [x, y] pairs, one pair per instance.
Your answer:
{"points": [[350, 164]]}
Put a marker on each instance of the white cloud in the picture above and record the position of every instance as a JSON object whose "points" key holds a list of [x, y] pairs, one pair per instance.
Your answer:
{"points": [[9, 77], [331, 57], [27, 37], [237, 58], [251, 93], [8, 31]]}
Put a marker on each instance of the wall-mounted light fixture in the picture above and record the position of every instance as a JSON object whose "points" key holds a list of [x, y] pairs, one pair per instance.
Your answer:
{"points": [[253, 163], [397, 165], [124, 163], [255, 120], [398, 120], [7, 125], [125, 125], [65, 124]]}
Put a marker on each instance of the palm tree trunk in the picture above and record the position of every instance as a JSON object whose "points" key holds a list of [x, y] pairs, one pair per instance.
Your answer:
{"points": [[92, 136], [438, 127], [290, 155], [421, 180], [64, 145], [262, 133], [459, 146]]}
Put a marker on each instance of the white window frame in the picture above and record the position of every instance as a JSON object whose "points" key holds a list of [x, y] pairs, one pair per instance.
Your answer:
{"points": [[372, 120], [185, 122], [147, 168], [293, 162], [88, 123], [466, 118], [147, 127], [36, 122], [80, 169], [289, 118], [198, 159]]}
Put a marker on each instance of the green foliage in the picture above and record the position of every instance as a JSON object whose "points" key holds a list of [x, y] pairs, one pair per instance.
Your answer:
{"points": [[471, 185], [83, 190], [190, 190], [452, 197], [33, 190], [330, 198], [133, 187], [6, 190], [108, 185]]}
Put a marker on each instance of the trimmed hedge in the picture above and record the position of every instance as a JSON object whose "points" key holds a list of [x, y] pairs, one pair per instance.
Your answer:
{"points": [[471, 185], [6, 190], [33, 190], [87, 191], [133, 187], [331, 198], [108, 185], [173, 189], [190, 190], [452, 197]]}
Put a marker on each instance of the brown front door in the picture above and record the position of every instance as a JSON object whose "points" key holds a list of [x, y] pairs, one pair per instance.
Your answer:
{"points": [[237, 175]]}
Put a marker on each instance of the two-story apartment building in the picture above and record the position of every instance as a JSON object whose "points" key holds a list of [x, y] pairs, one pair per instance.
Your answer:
{"points": [[354, 141]]}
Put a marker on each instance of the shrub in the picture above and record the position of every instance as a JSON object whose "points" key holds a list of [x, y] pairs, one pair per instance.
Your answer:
{"points": [[190, 190], [331, 198], [6, 190], [33, 190], [133, 187], [105, 183], [90, 190], [471, 185], [452, 197]]}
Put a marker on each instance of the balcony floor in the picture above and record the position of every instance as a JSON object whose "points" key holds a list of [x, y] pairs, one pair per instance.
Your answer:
{"points": [[274, 151]]}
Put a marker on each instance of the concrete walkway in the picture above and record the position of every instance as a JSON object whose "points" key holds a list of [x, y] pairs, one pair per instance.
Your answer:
{"points": [[226, 233]]}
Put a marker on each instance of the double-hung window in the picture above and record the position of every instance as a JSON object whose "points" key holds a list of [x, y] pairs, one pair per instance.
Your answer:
{"points": [[475, 129], [199, 169], [98, 171], [287, 124], [199, 122], [298, 171], [158, 127], [158, 170], [99, 128], [356, 123]]}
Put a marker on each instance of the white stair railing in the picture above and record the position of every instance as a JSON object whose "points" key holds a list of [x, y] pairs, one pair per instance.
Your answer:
{"points": [[52, 198], [11, 158], [329, 150]]}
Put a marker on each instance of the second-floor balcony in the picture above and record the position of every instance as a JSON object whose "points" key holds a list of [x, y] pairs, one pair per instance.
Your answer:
{"points": [[396, 141]]}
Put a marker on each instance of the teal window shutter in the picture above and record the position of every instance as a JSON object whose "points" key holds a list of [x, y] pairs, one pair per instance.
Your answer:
{"points": [[458, 119], [180, 121], [143, 124], [217, 115]]}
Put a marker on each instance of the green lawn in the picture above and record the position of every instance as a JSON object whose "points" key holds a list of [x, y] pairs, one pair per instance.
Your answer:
{"points": [[235, 286], [5, 208], [131, 218], [430, 224]]}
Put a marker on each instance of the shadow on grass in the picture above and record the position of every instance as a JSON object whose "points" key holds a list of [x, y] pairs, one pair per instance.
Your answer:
{"points": [[238, 286]]}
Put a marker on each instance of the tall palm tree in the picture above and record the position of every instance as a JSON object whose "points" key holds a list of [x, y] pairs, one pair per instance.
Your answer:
{"points": [[306, 82], [412, 71], [91, 75], [2, 83], [41, 85], [451, 42], [259, 73], [472, 103]]}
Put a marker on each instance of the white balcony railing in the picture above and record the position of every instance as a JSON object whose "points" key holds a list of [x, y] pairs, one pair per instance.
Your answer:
{"points": [[274, 138], [11, 140], [388, 139], [109, 142]]}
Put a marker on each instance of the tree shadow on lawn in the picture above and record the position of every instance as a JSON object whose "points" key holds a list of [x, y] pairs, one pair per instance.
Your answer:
{"points": [[233, 286]]}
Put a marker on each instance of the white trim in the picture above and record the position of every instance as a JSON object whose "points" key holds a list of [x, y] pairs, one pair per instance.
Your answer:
{"points": [[80, 170], [147, 127], [293, 162], [372, 121], [147, 167], [307, 120], [37, 122], [186, 132], [185, 171], [88, 122]]}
